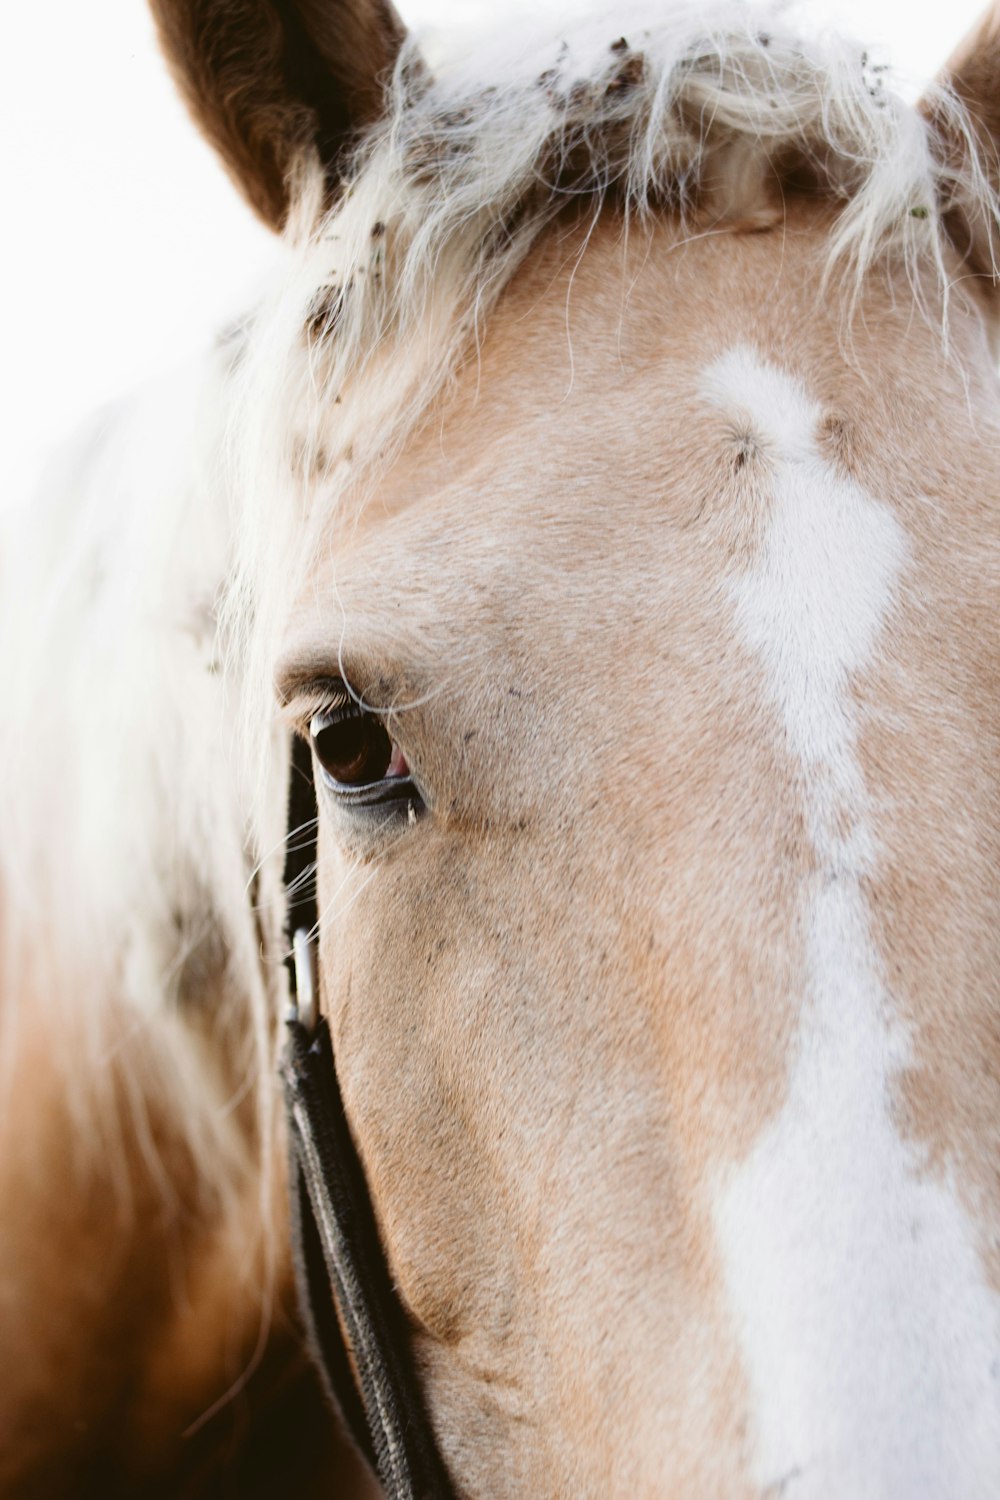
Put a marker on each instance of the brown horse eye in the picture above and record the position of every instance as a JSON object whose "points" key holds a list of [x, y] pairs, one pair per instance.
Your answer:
{"points": [[351, 745]]}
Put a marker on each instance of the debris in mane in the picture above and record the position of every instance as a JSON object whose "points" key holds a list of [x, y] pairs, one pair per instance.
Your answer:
{"points": [[707, 111]]}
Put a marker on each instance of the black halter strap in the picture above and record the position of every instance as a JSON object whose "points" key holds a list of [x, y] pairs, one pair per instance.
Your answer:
{"points": [[345, 1290]]}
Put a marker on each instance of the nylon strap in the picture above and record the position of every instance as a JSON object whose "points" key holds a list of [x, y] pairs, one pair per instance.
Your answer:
{"points": [[345, 1290]]}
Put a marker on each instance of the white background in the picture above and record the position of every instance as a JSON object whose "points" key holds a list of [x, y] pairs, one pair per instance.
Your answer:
{"points": [[125, 245]]}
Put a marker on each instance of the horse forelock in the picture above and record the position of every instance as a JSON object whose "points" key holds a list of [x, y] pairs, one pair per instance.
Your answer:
{"points": [[709, 112]]}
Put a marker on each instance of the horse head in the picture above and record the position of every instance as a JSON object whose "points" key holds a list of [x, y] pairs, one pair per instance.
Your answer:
{"points": [[632, 422], [617, 518]]}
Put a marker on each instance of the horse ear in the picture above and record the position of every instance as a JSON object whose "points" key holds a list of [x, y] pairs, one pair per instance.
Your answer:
{"points": [[271, 82], [972, 74]]}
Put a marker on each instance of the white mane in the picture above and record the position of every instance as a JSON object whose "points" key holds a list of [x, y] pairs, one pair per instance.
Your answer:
{"points": [[130, 832], [126, 903]]}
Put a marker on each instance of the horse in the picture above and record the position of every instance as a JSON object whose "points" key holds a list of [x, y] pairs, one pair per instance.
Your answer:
{"points": [[607, 491]]}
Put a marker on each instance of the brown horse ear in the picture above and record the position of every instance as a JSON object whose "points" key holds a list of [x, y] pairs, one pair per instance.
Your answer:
{"points": [[973, 75], [271, 82]]}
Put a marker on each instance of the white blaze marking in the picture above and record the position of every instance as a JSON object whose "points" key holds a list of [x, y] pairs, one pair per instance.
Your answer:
{"points": [[870, 1341]]}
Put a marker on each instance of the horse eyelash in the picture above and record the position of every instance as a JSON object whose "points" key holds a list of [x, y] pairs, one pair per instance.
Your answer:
{"points": [[324, 695]]}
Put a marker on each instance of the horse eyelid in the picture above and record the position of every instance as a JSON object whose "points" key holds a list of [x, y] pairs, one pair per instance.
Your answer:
{"points": [[300, 700]]}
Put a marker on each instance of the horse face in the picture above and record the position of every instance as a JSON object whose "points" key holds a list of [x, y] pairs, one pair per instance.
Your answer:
{"points": [[663, 980], [616, 987]]}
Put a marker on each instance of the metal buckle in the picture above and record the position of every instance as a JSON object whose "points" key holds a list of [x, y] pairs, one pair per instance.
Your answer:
{"points": [[305, 1004]]}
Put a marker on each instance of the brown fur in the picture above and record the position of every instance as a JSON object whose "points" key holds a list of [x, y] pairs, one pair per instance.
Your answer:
{"points": [[130, 1313], [270, 81]]}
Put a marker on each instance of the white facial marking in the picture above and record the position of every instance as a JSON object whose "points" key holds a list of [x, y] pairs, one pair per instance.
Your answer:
{"points": [[870, 1340]]}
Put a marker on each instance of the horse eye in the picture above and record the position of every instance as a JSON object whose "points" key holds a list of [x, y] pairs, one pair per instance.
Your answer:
{"points": [[353, 746]]}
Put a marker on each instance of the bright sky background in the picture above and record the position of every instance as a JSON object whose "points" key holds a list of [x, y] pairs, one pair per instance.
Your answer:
{"points": [[126, 245]]}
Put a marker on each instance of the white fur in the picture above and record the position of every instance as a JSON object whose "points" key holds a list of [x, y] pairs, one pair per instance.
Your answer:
{"points": [[869, 1336]]}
